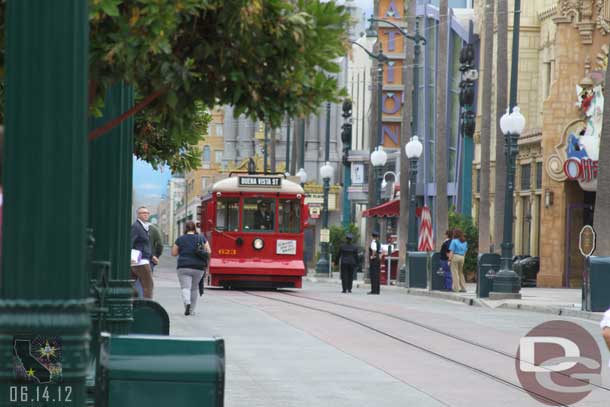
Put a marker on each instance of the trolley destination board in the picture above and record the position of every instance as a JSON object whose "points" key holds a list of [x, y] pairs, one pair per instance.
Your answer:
{"points": [[254, 181]]}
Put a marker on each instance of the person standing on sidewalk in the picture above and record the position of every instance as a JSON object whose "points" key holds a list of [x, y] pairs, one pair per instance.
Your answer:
{"points": [[140, 240], [375, 263], [457, 250], [348, 258], [444, 260], [190, 265]]}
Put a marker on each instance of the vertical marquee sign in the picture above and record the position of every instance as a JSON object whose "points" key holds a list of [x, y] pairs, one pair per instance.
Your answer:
{"points": [[393, 44]]}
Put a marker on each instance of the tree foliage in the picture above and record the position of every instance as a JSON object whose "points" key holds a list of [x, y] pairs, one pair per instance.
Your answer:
{"points": [[268, 58], [337, 238], [466, 225]]}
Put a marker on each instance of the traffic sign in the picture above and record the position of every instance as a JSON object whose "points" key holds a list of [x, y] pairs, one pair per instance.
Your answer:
{"points": [[324, 235], [586, 240]]}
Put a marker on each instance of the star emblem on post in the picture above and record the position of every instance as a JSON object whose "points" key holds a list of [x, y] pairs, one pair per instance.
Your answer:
{"points": [[47, 351]]}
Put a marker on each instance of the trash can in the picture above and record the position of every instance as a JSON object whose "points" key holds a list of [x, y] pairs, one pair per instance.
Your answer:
{"points": [[436, 274], [149, 318], [141, 370], [596, 283], [417, 270], [486, 262]]}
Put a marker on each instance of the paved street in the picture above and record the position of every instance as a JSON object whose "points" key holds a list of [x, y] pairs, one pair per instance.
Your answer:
{"points": [[318, 347]]}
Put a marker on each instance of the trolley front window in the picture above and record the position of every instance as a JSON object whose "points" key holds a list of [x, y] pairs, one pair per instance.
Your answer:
{"points": [[227, 214], [289, 216], [258, 215]]}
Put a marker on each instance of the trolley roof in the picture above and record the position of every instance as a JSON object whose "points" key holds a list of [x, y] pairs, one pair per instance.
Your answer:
{"points": [[232, 184]]}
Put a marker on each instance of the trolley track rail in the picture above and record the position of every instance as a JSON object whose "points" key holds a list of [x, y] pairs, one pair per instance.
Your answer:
{"points": [[434, 353], [429, 328]]}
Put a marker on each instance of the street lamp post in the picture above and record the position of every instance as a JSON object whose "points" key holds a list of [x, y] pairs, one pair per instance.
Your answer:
{"points": [[378, 160], [384, 182], [413, 150], [506, 281], [326, 173]]}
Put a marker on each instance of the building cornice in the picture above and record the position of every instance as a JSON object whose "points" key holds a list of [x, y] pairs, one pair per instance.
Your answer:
{"points": [[548, 13], [531, 136]]}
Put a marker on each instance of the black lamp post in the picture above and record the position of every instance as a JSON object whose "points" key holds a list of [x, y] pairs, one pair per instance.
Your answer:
{"points": [[413, 150], [506, 280], [323, 264], [378, 160]]}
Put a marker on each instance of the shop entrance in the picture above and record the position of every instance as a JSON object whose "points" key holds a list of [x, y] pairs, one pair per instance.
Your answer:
{"points": [[578, 215]]}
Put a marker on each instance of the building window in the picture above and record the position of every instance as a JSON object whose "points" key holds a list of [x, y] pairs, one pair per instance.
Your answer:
{"points": [[227, 214], [258, 215], [219, 132], [289, 216], [526, 177], [526, 222], [206, 157], [218, 156], [478, 180], [539, 175], [204, 184]]}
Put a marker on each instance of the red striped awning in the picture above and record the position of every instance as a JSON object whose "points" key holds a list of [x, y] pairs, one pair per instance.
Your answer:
{"points": [[390, 209]]}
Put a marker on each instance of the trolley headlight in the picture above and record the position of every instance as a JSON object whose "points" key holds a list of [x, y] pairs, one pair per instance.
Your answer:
{"points": [[258, 243]]}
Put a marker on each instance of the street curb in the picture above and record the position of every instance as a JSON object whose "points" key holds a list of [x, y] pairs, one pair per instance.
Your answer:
{"points": [[559, 311], [477, 302], [444, 296]]}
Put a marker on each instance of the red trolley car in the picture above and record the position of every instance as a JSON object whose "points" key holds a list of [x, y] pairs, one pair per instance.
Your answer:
{"points": [[255, 225]]}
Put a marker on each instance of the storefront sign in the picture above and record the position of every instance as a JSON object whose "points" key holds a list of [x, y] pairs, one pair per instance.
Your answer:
{"points": [[357, 173], [324, 235], [314, 211], [251, 181], [576, 156], [584, 170], [286, 247], [586, 241], [318, 199]]}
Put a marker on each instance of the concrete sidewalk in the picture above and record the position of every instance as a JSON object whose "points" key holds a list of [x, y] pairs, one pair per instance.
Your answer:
{"points": [[557, 301]]}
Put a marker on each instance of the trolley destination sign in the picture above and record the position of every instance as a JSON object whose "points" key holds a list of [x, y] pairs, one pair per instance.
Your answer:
{"points": [[253, 181]]}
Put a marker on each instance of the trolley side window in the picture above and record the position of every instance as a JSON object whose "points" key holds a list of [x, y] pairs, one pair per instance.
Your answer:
{"points": [[290, 215], [227, 214], [258, 215]]}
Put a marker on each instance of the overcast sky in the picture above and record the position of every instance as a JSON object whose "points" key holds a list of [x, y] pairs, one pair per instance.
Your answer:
{"points": [[366, 5]]}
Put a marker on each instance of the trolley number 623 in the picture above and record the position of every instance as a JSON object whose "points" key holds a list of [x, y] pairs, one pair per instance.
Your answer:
{"points": [[38, 393]]}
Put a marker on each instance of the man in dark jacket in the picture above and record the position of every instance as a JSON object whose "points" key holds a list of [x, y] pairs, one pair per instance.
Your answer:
{"points": [[140, 240], [375, 263], [348, 259]]}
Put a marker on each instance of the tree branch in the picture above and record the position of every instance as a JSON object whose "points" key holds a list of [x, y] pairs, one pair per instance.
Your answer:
{"points": [[115, 122]]}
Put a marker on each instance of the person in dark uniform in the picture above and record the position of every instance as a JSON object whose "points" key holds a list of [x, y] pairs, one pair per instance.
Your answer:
{"points": [[375, 263], [444, 260], [263, 218], [348, 259]]}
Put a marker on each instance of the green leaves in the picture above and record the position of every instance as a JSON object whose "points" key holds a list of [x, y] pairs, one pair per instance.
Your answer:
{"points": [[268, 58]]}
